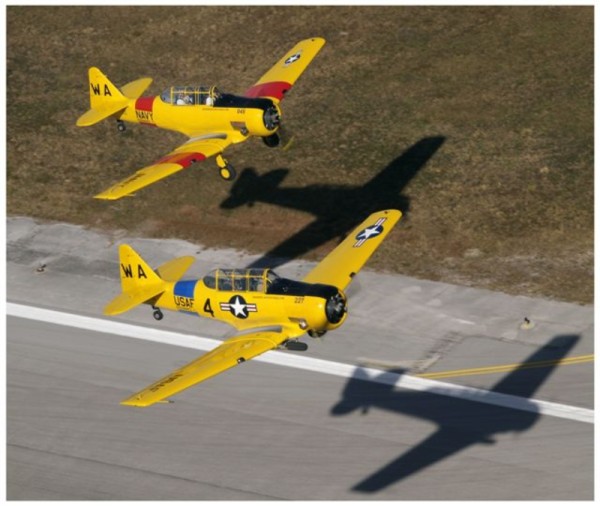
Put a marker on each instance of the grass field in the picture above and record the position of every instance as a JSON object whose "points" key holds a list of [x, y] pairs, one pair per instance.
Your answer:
{"points": [[477, 120]]}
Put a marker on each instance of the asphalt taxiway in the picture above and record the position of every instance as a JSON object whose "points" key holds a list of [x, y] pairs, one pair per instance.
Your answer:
{"points": [[269, 430]]}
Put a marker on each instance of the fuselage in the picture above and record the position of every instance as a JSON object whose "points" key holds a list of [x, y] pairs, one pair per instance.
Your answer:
{"points": [[250, 298], [203, 110]]}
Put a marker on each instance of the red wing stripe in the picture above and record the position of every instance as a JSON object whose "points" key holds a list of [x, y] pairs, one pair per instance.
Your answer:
{"points": [[276, 89], [183, 159]]}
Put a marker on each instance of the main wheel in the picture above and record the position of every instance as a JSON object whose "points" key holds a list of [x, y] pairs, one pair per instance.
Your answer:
{"points": [[158, 315], [121, 126], [228, 173]]}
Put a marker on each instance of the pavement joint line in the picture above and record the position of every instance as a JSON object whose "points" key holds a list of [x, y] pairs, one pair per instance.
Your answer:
{"points": [[305, 363]]}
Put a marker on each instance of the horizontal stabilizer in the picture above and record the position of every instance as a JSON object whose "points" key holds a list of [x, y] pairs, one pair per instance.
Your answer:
{"points": [[94, 116], [173, 270], [126, 301], [135, 89]]}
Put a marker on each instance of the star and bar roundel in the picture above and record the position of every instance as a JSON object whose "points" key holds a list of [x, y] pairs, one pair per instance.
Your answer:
{"points": [[293, 58], [369, 232], [238, 307]]}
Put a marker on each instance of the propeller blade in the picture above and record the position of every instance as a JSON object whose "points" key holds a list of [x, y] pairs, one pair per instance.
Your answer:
{"points": [[285, 138]]}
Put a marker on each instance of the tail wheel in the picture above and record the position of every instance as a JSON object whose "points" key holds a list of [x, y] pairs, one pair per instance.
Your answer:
{"points": [[158, 314], [121, 126], [228, 173]]}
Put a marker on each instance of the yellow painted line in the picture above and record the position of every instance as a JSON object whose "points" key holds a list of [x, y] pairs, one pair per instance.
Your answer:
{"points": [[581, 359]]}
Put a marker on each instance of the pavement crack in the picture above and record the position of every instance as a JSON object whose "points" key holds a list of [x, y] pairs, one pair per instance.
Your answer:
{"points": [[141, 470]]}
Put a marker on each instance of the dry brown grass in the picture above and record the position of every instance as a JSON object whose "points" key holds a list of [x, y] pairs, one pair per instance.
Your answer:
{"points": [[505, 203]]}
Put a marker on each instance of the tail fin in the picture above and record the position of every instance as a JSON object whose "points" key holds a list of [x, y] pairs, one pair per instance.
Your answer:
{"points": [[106, 99], [139, 282]]}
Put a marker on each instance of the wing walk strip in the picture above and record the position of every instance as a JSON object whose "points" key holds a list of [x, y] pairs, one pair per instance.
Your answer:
{"points": [[305, 363]]}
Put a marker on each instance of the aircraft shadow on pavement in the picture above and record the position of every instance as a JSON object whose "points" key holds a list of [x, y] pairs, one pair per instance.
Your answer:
{"points": [[338, 209], [460, 423]]}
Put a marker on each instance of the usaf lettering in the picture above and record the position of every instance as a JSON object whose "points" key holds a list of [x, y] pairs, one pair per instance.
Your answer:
{"points": [[185, 302]]}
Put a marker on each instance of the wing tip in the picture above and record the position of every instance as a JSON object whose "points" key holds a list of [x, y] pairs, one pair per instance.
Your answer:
{"points": [[130, 403], [394, 214], [110, 195], [140, 403]]}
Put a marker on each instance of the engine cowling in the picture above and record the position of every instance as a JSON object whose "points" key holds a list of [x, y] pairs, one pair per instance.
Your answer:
{"points": [[316, 307], [255, 116], [336, 308], [271, 117]]}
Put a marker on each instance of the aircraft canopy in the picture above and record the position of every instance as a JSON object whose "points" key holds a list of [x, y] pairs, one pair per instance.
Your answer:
{"points": [[190, 95], [240, 280]]}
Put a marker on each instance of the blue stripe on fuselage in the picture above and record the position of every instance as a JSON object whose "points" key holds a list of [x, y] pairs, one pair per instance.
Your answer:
{"points": [[185, 288]]}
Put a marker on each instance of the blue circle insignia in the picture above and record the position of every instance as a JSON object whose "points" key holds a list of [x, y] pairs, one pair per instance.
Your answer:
{"points": [[369, 232], [292, 59]]}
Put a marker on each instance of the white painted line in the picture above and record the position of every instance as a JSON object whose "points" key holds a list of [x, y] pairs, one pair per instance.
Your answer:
{"points": [[306, 363]]}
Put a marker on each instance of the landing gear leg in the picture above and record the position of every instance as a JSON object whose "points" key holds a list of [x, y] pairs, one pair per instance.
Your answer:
{"points": [[157, 313], [121, 126], [226, 170]]}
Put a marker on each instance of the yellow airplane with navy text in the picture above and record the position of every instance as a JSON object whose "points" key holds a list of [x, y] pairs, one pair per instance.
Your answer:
{"points": [[212, 120], [266, 310]]}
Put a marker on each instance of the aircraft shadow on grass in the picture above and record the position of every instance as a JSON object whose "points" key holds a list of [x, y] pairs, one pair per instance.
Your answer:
{"points": [[461, 423], [338, 209]]}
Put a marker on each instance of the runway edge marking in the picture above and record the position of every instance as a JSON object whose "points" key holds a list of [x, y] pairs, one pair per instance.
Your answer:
{"points": [[305, 363]]}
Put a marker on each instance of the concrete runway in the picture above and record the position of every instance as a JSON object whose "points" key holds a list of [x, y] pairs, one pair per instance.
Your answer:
{"points": [[265, 431]]}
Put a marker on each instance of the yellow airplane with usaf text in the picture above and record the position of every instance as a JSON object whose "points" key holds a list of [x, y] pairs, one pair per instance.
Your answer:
{"points": [[266, 310], [212, 120]]}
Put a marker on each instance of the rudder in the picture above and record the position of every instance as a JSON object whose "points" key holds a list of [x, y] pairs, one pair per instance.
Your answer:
{"points": [[139, 282], [105, 99], [135, 272], [102, 90]]}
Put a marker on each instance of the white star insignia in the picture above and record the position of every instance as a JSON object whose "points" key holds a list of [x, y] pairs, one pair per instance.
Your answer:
{"points": [[369, 231], [238, 307], [292, 58]]}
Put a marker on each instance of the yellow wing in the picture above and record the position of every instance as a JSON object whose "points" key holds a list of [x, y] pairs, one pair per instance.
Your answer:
{"points": [[232, 352], [179, 159], [339, 267], [282, 76]]}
